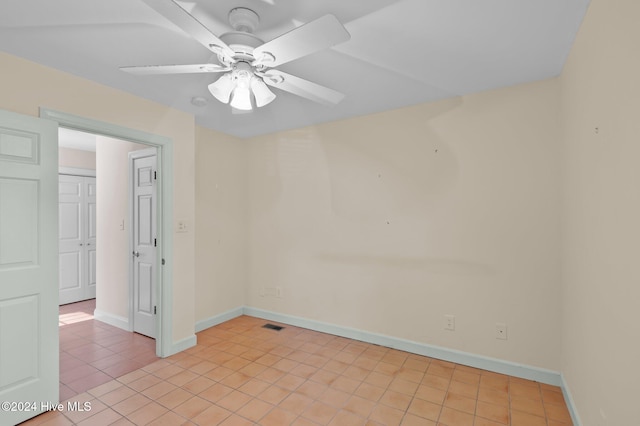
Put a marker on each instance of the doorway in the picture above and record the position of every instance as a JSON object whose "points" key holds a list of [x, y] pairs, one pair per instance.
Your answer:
{"points": [[164, 253], [123, 214], [96, 344]]}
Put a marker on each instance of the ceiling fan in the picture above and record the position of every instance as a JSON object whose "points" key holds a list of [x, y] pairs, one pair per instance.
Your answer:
{"points": [[247, 61]]}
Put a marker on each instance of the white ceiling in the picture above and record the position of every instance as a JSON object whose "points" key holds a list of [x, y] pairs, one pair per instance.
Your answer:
{"points": [[401, 52], [76, 139]]}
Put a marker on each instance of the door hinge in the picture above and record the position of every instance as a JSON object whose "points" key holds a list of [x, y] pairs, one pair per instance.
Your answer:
{"points": [[163, 261], [155, 175], [154, 310], [155, 242]]}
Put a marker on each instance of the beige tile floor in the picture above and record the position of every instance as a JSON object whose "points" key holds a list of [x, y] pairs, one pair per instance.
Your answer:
{"points": [[93, 353], [243, 374]]}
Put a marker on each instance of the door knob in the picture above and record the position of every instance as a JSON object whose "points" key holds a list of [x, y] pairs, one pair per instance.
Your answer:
{"points": [[136, 253]]}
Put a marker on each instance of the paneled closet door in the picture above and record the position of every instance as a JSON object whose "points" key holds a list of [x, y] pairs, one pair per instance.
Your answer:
{"points": [[77, 202]]}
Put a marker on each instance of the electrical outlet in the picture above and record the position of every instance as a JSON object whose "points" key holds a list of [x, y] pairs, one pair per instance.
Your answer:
{"points": [[450, 322], [501, 331], [182, 226]]}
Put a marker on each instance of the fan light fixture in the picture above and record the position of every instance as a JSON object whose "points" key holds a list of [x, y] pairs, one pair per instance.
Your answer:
{"points": [[239, 86], [246, 63], [261, 92]]}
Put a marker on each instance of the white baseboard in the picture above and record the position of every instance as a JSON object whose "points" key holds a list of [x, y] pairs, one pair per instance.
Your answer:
{"points": [[114, 320], [478, 361], [218, 319], [568, 398], [472, 360], [182, 345]]}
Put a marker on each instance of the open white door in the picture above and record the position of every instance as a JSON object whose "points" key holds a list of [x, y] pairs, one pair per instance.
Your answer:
{"points": [[28, 265], [144, 241]]}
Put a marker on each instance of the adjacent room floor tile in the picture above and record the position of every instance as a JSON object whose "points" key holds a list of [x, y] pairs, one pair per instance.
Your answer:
{"points": [[93, 353]]}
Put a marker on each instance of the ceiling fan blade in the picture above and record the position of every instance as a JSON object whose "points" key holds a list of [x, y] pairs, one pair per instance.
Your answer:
{"points": [[176, 14], [301, 87], [174, 69], [309, 38]]}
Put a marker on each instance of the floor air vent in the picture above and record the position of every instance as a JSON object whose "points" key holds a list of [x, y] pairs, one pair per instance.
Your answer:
{"points": [[273, 327]]}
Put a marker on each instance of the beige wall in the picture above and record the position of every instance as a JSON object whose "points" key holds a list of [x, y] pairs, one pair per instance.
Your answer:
{"points": [[112, 271], [601, 290], [221, 219], [26, 87], [388, 222], [68, 157]]}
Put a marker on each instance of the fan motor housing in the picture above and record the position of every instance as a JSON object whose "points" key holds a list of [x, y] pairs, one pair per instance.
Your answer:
{"points": [[242, 44]]}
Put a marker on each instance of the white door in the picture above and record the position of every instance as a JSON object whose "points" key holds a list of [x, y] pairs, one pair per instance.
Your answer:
{"points": [[143, 167], [28, 265], [77, 202]]}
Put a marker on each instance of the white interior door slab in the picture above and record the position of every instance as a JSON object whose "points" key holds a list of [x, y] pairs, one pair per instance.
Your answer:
{"points": [[72, 265], [143, 167], [28, 264], [77, 207]]}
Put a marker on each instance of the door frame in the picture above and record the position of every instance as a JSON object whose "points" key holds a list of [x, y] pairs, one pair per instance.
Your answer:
{"points": [[131, 182], [164, 209]]}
